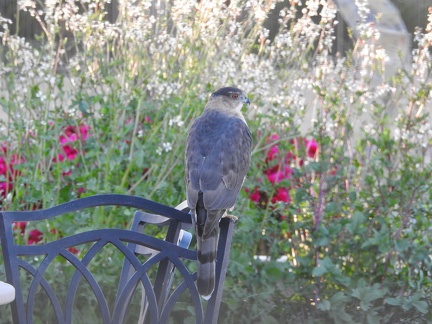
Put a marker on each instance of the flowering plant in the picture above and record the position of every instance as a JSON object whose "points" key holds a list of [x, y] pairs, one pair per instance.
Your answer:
{"points": [[69, 150], [279, 167]]}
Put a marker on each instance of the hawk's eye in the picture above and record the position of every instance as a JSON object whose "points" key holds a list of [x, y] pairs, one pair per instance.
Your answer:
{"points": [[234, 95]]}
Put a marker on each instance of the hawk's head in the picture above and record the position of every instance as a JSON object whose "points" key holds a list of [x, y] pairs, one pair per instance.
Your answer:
{"points": [[230, 98]]}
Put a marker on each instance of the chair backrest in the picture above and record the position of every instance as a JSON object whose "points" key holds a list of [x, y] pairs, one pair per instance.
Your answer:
{"points": [[155, 283]]}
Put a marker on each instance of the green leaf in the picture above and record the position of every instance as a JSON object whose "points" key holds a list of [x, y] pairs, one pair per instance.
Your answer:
{"points": [[356, 220], [338, 302], [274, 272], [352, 195], [319, 271], [324, 305], [367, 295], [324, 265], [322, 236], [393, 301], [373, 317], [420, 305], [331, 208], [402, 245], [83, 106]]}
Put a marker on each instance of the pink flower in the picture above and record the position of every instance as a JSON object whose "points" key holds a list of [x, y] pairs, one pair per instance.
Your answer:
{"points": [[84, 131], [272, 153], [7, 168], [21, 226], [3, 167], [67, 173], [60, 158], [272, 138], [255, 195], [73, 250], [291, 158], [80, 191], [70, 152], [311, 147], [35, 236], [282, 194], [278, 173], [5, 188], [73, 133]]}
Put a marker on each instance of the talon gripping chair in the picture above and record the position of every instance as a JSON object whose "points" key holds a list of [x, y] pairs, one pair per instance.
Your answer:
{"points": [[69, 279]]}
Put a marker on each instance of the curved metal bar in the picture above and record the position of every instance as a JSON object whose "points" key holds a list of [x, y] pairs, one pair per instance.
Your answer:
{"points": [[190, 283], [172, 300], [73, 285], [125, 293], [96, 201], [48, 290], [53, 250], [139, 275], [37, 278], [100, 296], [107, 235]]}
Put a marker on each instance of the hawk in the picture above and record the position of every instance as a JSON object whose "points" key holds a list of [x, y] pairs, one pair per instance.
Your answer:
{"points": [[217, 159]]}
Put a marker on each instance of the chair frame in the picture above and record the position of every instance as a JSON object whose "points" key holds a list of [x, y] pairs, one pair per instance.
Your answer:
{"points": [[167, 253]]}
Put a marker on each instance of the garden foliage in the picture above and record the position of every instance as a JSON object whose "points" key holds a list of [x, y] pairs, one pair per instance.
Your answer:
{"points": [[338, 195]]}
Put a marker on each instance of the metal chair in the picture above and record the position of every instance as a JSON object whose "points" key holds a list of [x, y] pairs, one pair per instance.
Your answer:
{"points": [[158, 272]]}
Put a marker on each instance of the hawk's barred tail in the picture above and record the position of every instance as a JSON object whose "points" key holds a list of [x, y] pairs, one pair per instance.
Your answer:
{"points": [[206, 246], [206, 265]]}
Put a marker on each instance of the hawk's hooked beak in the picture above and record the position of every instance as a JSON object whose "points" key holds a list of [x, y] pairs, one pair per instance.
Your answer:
{"points": [[246, 100]]}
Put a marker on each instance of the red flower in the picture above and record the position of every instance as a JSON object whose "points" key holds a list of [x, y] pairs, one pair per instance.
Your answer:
{"points": [[5, 188], [3, 166], [73, 133], [311, 147], [84, 131], [60, 158], [67, 173], [272, 138], [272, 153], [7, 168], [278, 173], [70, 152], [21, 226], [73, 250], [282, 194], [255, 195], [147, 119], [35, 236]]}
